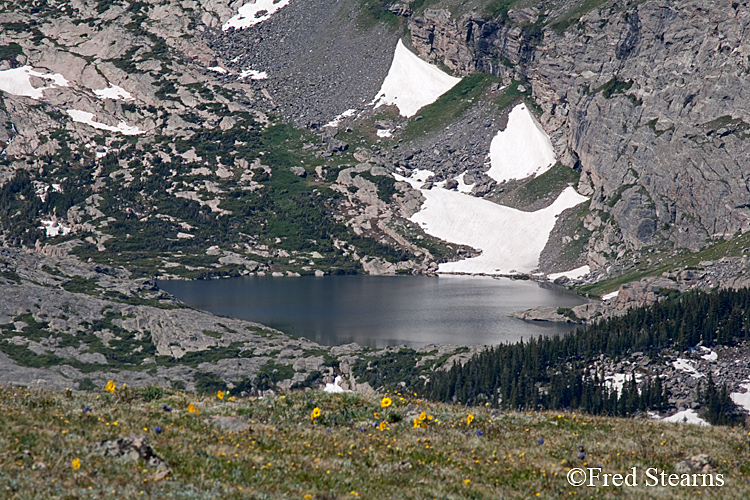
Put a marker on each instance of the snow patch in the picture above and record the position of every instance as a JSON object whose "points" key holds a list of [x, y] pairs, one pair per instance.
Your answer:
{"points": [[711, 355], [511, 240], [54, 228], [218, 69], [16, 81], [686, 417], [385, 133], [335, 386], [462, 186], [573, 273], [114, 92], [521, 150], [686, 366], [412, 83], [742, 398], [617, 381], [253, 13], [253, 74], [611, 295], [88, 119], [346, 114]]}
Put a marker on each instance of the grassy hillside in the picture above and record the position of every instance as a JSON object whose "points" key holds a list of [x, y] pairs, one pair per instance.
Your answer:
{"points": [[50, 447]]}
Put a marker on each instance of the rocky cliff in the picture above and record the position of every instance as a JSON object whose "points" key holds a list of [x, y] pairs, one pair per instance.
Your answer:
{"points": [[647, 99]]}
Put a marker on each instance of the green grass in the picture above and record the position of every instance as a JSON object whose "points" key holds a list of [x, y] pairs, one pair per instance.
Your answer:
{"points": [[450, 106], [545, 187], [511, 95], [728, 248], [341, 454], [374, 12]]}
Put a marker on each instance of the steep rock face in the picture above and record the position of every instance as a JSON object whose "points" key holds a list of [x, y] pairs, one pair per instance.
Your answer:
{"points": [[647, 99]]}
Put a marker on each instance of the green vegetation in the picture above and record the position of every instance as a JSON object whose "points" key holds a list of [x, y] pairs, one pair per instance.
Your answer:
{"points": [[79, 284], [271, 373], [551, 373], [511, 95], [685, 260], [613, 87], [450, 106], [385, 184], [49, 448], [373, 12], [542, 188], [725, 125], [10, 51]]}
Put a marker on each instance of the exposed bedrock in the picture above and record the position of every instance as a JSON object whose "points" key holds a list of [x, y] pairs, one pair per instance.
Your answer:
{"points": [[649, 100]]}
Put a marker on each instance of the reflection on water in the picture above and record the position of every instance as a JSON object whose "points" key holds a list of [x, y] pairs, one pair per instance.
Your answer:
{"points": [[377, 311]]}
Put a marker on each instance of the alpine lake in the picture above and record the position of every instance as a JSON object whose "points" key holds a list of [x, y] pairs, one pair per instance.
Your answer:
{"points": [[380, 311]]}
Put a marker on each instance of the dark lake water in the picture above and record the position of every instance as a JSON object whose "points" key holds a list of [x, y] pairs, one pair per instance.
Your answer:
{"points": [[377, 311]]}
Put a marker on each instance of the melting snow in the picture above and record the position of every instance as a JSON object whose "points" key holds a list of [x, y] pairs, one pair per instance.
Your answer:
{"points": [[253, 13], [617, 381], [611, 295], [573, 273], [742, 398], [346, 114], [462, 186], [710, 355], [686, 416], [686, 366], [88, 118], [16, 81], [114, 92], [335, 386], [218, 69], [54, 228], [253, 74], [412, 83], [511, 240], [522, 149], [385, 133]]}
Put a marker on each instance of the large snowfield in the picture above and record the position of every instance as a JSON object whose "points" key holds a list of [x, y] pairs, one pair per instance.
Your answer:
{"points": [[521, 150], [253, 13], [511, 240], [412, 83]]}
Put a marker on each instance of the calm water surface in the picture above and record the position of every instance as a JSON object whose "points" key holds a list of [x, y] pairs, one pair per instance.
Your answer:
{"points": [[377, 311]]}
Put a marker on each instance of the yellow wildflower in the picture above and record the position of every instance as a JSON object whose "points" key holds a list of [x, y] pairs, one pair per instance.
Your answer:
{"points": [[220, 394], [191, 408], [382, 426], [315, 413], [422, 416], [233, 398], [469, 419], [76, 463], [386, 402], [110, 386]]}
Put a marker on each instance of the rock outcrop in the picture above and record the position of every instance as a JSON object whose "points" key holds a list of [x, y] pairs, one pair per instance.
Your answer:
{"points": [[641, 97]]}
